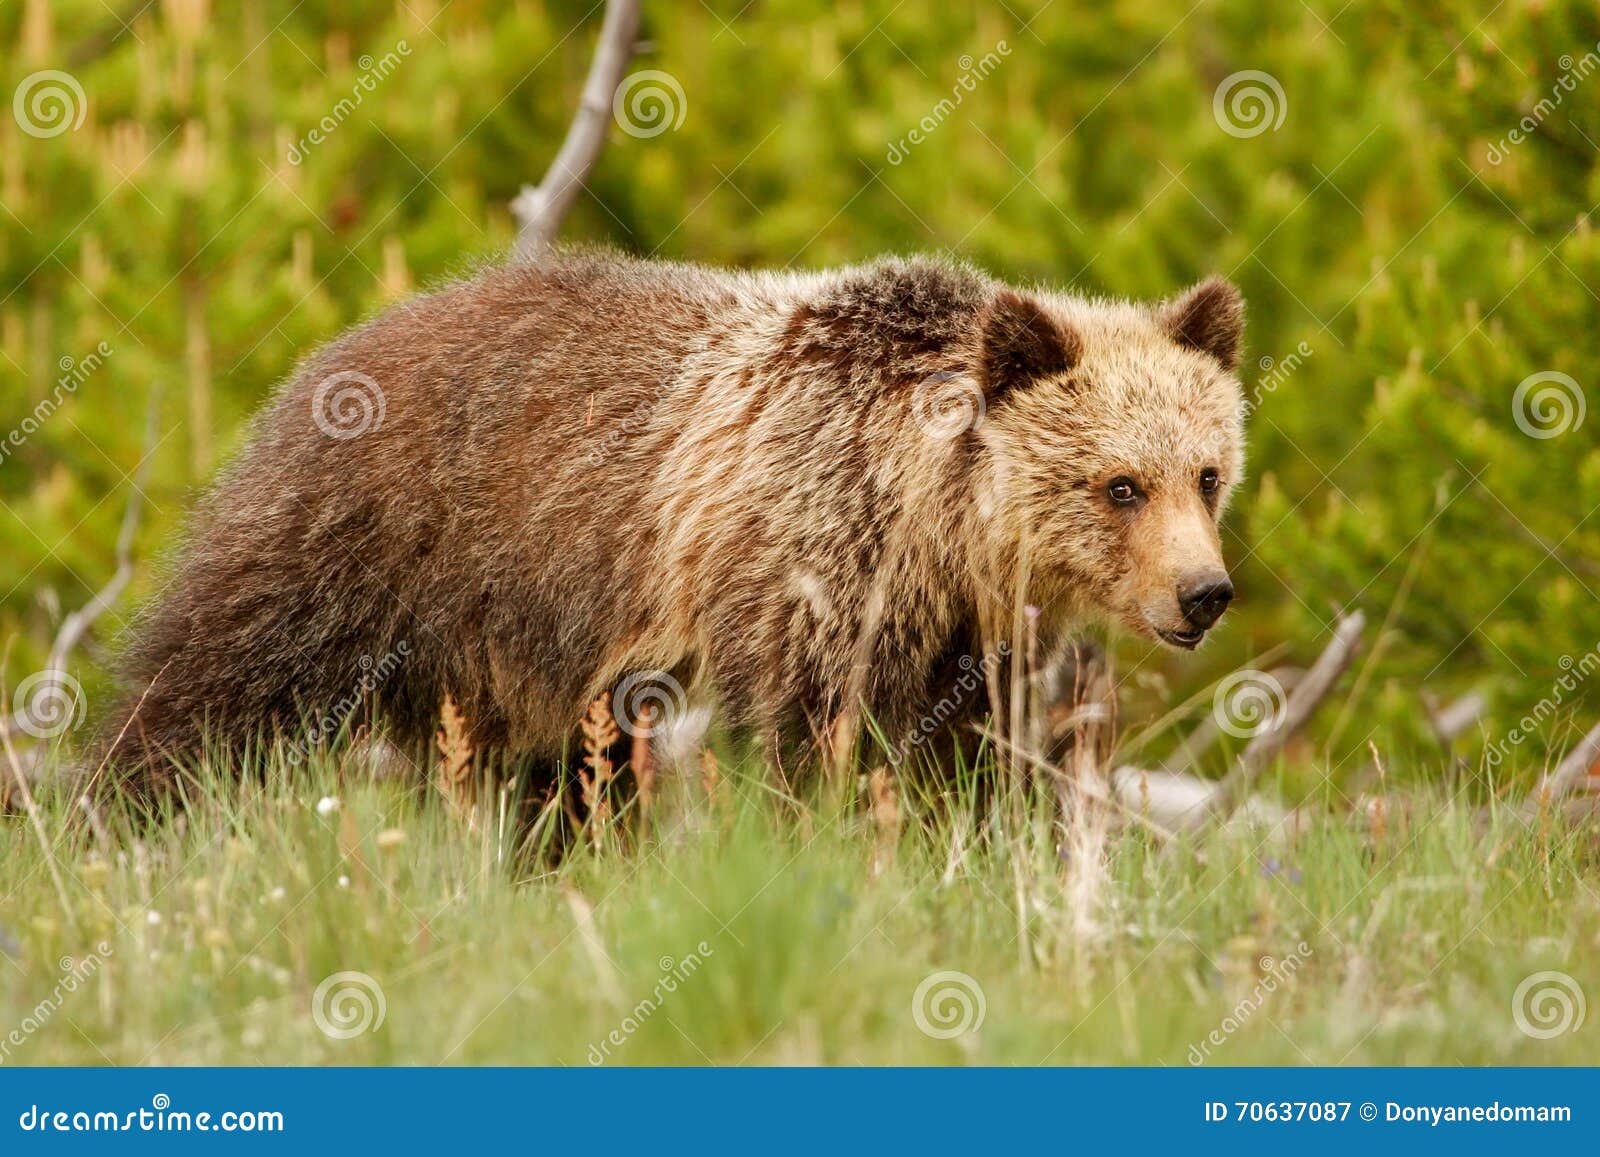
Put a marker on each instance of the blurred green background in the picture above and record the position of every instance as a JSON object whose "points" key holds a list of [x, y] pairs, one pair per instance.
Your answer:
{"points": [[1409, 253]]}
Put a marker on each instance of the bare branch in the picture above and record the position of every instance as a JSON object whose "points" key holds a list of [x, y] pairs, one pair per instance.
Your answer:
{"points": [[1302, 704], [540, 209]]}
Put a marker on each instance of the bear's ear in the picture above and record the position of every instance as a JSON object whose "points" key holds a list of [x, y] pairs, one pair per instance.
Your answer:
{"points": [[1208, 317], [1022, 343]]}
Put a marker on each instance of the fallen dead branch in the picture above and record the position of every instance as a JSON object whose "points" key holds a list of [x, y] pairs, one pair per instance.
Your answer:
{"points": [[1194, 746], [1301, 705], [1568, 774]]}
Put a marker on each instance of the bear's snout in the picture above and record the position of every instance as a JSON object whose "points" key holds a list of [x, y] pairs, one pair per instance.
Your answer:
{"points": [[1203, 599]]}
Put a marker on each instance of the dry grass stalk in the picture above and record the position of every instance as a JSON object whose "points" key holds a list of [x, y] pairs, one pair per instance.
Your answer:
{"points": [[1083, 786], [885, 809], [454, 773], [599, 730], [605, 972], [1378, 813], [643, 762]]}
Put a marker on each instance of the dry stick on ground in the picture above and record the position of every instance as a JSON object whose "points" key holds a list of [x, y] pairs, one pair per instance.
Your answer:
{"points": [[1303, 702], [539, 209], [1568, 773], [1193, 746]]}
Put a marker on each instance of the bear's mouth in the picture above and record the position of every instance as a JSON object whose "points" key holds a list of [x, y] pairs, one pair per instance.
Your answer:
{"points": [[1188, 638]]}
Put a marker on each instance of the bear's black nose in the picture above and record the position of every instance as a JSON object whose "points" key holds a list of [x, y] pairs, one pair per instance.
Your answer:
{"points": [[1204, 601]]}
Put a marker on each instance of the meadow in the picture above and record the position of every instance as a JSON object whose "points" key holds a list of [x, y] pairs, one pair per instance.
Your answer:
{"points": [[328, 918]]}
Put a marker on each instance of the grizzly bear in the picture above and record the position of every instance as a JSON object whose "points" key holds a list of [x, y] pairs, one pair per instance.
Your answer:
{"points": [[806, 497]]}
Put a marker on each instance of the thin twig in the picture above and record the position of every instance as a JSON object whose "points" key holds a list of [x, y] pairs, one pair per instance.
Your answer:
{"points": [[76, 625]]}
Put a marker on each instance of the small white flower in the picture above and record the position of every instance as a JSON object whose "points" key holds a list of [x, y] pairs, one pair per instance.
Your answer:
{"points": [[327, 805], [152, 918], [344, 881], [278, 893]]}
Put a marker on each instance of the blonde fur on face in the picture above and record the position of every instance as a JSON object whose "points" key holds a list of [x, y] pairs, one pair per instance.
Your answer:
{"points": [[1136, 405]]}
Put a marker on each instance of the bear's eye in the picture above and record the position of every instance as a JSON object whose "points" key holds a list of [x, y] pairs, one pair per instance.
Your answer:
{"points": [[1209, 481], [1123, 491]]}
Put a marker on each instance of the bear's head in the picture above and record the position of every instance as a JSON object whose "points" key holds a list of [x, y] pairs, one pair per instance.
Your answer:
{"points": [[1111, 440]]}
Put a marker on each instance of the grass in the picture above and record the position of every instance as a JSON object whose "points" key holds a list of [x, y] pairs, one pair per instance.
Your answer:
{"points": [[755, 929]]}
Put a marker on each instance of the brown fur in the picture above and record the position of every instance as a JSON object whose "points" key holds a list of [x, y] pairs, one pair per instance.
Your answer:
{"points": [[598, 465]]}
